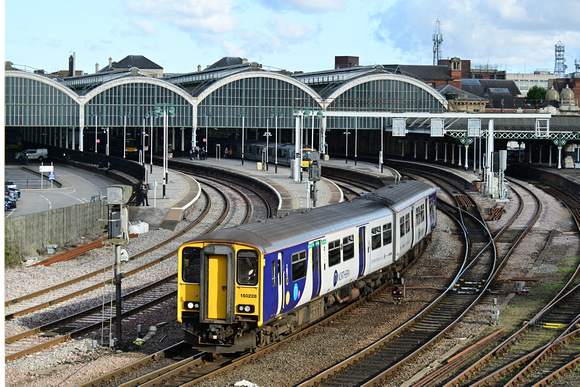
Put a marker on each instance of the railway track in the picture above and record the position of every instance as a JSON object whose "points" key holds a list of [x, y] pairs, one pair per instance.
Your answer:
{"points": [[512, 360], [545, 347], [37, 333], [379, 359], [375, 365]]}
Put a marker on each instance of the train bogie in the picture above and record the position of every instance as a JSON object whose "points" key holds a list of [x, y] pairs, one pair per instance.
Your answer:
{"points": [[245, 287]]}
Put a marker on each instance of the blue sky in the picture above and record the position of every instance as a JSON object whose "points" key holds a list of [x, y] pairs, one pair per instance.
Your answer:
{"points": [[296, 35]]}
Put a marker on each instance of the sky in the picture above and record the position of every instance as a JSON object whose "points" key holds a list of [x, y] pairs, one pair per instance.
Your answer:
{"points": [[517, 36]]}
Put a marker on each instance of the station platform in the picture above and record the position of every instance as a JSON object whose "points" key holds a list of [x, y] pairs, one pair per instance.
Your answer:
{"points": [[182, 190]]}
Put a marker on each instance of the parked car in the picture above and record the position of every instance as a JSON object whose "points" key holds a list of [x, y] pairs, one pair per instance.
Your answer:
{"points": [[10, 184], [32, 154], [13, 195], [11, 202], [15, 191]]}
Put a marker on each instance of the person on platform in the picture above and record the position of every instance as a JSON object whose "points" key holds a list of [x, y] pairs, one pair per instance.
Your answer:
{"points": [[144, 197], [226, 153]]}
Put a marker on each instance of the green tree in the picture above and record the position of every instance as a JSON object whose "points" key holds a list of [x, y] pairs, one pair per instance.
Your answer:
{"points": [[536, 95]]}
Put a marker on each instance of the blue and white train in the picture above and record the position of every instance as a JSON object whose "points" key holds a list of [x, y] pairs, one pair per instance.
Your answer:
{"points": [[242, 288]]}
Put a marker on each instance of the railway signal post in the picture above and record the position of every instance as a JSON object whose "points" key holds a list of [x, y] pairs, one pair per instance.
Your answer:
{"points": [[398, 288], [117, 198]]}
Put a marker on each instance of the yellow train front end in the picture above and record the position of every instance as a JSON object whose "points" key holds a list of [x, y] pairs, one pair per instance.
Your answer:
{"points": [[308, 156], [219, 296]]}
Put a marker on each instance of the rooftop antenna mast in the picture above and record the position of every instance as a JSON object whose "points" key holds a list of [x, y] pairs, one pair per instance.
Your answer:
{"points": [[560, 62], [437, 42]]}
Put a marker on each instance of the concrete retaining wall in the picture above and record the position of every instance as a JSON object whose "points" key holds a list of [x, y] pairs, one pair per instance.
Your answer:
{"points": [[28, 234]]}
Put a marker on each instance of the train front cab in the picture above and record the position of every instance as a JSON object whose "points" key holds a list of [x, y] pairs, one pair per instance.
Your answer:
{"points": [[219, 295], [308, 156]]}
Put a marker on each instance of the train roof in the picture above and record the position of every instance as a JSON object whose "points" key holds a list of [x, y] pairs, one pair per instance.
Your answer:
{"points": [[274, 234], [403, 194]]}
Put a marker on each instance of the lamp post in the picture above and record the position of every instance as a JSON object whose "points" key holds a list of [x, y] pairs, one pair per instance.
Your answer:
{"points": [[96, 115], [355, 139], [206, 132], [125, 115], [143, 135], [267, 135], [276, 115], [166, 110], [150, 116], [346, 154], [243, 115], [107, 148]]}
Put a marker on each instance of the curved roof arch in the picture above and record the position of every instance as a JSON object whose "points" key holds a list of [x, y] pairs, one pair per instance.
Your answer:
{"points": [[48, 81], [132, 79], [258, 74], [385, 76]]}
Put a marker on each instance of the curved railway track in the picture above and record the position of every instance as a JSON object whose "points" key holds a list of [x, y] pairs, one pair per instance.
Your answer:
{"points": [[374, 365], [512, 361], [547, 344], [20, 346]]}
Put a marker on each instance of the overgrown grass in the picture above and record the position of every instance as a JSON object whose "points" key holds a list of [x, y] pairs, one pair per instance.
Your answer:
{"points": [[12, 258]]}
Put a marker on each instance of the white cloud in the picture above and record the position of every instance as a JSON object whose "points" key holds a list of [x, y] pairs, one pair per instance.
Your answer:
{"points": [[206, 16], [288, 29], [506, 33], [318, 5], [306, 6], [144, 27]]}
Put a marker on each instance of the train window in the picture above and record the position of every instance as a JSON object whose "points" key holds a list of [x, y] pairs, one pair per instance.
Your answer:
{"points": [[190, 262], [273, 273], [408, 222], [298, 265], [376, 237], [348, 247], [420, 214], [387, 234], [247, 266], [402, 229], [334, 252]]}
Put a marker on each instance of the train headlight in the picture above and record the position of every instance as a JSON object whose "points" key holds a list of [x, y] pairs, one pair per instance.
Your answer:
{"points": [[191, 305], [246, 308]]}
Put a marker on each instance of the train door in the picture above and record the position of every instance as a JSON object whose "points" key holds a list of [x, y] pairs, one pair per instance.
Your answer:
{"points": [[217, 284], [314, 248], [280, 284], [432, 212], [216, 287], [361, 250]]}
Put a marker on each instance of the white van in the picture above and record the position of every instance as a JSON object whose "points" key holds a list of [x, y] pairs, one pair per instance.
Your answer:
{"points": [[32, 154]]}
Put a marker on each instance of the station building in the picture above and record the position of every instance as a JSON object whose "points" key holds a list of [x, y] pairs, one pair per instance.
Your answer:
{"points": [[350, 110]]}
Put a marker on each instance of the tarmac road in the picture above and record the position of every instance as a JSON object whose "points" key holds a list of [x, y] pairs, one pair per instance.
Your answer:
{"points": [[78, 186]]}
